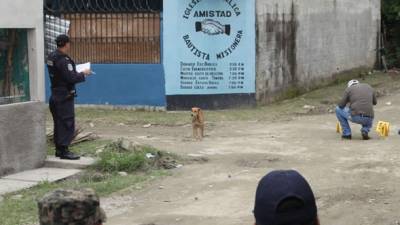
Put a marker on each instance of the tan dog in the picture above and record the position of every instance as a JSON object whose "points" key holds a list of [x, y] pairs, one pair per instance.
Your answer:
{"points": [[198, 123]]}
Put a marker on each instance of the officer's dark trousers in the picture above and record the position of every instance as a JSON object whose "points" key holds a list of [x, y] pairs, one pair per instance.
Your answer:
{"points": [[64, 121]]}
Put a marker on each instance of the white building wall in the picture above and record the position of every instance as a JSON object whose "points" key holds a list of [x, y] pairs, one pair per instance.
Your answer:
{"points": [[28, 14], [22, 125]]}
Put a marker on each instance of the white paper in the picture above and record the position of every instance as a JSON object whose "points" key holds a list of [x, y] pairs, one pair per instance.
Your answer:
{"points": [[81, 67]]}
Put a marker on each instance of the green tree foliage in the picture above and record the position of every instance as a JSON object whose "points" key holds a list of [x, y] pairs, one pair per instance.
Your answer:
{"points": [[391, 20], [391, 10]]}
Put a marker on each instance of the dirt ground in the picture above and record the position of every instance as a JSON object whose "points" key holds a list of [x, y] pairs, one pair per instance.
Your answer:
{"points": [[355, 182]]}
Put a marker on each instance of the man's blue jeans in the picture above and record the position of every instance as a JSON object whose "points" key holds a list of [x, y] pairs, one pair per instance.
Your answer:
{"points": [[344, 115]]}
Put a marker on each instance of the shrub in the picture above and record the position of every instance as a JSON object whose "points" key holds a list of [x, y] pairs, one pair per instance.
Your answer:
{"points": [[128, 157]]}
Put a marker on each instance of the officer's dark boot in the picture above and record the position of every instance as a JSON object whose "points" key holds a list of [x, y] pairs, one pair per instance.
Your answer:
{"points": [[59, 150], [69, 155], [64, 153]]}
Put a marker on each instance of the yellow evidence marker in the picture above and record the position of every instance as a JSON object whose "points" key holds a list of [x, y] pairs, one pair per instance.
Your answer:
{"points": [[383, 128], [338, 128]]}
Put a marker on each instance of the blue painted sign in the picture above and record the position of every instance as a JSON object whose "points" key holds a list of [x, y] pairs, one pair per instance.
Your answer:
{"points": [[209, 46]]}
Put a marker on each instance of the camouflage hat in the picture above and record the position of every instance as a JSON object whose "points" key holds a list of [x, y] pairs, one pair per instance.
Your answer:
{"points": [[71, 207]]}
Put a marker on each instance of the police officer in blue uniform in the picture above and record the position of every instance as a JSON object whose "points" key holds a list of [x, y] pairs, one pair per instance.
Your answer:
{"points": [[63, 77]]}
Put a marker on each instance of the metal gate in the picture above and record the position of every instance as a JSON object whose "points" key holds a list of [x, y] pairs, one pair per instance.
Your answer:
{"points": [[106, 31]]}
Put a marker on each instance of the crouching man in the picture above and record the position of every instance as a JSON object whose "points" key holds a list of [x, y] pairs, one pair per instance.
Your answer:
{"points": [[357, 106]]}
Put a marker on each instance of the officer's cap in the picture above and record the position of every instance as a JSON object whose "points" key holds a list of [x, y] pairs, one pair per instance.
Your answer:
{"points": [[61, 40]]}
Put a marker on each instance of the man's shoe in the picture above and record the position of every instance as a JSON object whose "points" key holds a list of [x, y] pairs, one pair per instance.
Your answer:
{"points": [[365, 136], [58, 153], [69, 156], [347, 137]]}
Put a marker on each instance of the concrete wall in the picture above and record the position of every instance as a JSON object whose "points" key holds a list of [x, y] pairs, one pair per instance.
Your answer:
{"points": [[28, 15], [22, 126], [22, 137], [302, 42]]}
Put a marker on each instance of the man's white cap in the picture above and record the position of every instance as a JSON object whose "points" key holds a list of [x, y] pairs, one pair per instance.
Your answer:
{"points": [[352, 82]]}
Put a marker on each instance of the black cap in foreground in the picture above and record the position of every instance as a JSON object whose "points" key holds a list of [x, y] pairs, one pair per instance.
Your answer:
{"points": [[284, 198]]}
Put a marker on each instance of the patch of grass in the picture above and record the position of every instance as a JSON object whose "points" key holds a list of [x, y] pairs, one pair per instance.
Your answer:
{"points": [[111, 161], [116, 158], [292, 92], [20, 208]]}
